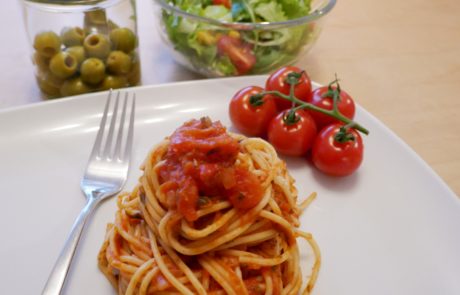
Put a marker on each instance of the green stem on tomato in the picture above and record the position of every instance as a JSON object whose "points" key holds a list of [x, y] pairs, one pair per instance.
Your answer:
{"points": [[335, 99], [291, 117], [305, 105], [334, 92], [343, 135]]}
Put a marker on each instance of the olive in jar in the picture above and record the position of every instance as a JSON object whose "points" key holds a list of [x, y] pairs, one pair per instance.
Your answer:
{"points": [[63, 65], [74, 86], [52, 79], [47, 44], [119, 63], [72, 36], [113, 82], [97, 45], [78, 52], [47, 88], [92, 70], [134, 77], [41, 62], [123, 39]]}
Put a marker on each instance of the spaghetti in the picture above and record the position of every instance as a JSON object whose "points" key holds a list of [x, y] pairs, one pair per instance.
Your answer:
{"points": [[213, 213]]}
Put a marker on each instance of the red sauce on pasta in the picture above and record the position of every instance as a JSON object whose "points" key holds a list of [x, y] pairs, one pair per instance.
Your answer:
{"points": [[200, 161]]}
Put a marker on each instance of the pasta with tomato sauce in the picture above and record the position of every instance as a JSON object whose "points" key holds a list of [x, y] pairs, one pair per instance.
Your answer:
{"points": [[213, 213]]}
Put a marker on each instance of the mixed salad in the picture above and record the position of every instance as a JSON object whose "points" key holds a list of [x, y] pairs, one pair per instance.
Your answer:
{"points": [[220, 51]]}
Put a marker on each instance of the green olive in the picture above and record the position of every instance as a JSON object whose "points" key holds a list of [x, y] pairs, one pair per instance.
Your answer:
{"points": [[78, 52], [41, 62], [52, 79], [63, 65], [134, 77], [47, 88], [92, 71], [47, 44], [113, 82], [123, 39], [72, 36], [73, 87], [97, 45], [119, 63]]}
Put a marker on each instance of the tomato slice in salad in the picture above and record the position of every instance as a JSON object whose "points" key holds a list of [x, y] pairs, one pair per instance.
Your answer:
{"points": [[226, 3], [240, 54]]}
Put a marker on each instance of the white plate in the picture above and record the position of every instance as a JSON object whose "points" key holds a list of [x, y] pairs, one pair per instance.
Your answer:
{"points": [[391, 228]]}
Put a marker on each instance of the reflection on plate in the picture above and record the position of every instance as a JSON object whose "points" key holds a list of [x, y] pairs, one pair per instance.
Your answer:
{"points": [[391, 228]]}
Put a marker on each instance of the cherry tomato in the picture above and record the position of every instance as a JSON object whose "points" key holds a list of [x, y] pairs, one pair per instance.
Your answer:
{"points": [[277, 81], [249, 119], [292, 139], [226, 3], [337, 158], [320, 99], [240, 54]]}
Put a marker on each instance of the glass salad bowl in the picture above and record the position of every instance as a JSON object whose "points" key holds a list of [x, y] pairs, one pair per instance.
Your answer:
{"points": [[218, 38]]}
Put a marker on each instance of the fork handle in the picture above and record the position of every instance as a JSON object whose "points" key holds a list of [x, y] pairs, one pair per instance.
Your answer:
{"points": [[56, 280]]}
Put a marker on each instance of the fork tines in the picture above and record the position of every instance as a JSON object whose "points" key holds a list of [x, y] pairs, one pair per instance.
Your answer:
{"points": [[113, 149]]}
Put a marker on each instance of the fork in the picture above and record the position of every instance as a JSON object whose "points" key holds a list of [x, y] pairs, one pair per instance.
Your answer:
{"points": [[105, 175]]}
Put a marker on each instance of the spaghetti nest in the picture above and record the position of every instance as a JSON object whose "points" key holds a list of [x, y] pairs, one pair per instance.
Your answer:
{"points": [[152, 249]]}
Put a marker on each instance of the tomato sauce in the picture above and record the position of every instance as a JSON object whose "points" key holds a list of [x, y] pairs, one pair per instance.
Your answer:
{"points": [[200, 161], [254, 286], [282, 202]]}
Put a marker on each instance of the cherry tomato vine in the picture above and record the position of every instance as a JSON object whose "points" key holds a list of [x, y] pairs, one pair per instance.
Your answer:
{"points": [[293, 79], [300, 121]]}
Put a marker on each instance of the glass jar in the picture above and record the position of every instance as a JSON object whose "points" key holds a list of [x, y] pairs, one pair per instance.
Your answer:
{"points": [[81, 46]]}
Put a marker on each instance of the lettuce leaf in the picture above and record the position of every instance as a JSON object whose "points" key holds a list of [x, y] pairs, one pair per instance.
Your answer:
{"points": [[295, 8], [271, 57], [217, 12], [205, 53], [298, 36], [270, 11], [224, 66]]}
